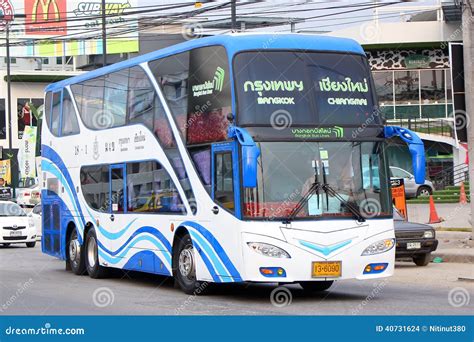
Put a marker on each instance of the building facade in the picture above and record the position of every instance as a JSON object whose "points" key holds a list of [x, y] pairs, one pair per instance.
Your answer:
{"points": [[417, 68]]}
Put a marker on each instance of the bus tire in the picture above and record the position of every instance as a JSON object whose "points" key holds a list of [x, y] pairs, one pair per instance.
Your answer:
{"points": [[185, 268], [75, 256], [95, 270], [316, 286]]}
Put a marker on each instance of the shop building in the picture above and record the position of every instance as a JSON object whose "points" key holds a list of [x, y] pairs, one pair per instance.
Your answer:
{"points": [[418, 73]]}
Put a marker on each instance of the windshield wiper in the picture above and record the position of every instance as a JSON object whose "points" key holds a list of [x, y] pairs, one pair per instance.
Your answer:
{"points": [[349, 205], [313, 189]]}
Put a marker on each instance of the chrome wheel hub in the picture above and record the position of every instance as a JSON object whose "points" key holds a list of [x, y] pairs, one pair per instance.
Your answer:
{"points": [[74, 251], [91, 252], [424, 192], [186, 262]]}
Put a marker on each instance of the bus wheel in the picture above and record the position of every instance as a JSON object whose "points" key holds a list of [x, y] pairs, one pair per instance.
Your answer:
{"points": [[185, 272], [91, 257], [75, 257], [316, 286]]}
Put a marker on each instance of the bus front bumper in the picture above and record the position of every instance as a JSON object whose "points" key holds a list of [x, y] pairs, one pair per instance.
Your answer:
{"points": [[306, 265]]}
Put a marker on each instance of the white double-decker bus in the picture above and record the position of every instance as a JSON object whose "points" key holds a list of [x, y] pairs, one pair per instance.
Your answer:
{"points": [[231, 158]]}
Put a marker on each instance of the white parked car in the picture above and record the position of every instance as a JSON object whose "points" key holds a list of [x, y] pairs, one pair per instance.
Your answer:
{"points": [[36, 216], [16, 226], [26, 197]]}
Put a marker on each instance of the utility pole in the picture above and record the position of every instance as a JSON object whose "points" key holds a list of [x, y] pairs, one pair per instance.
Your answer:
{"points": [[8, 20], [104, 36], [468, 48], [233, 15], [9, 89]]}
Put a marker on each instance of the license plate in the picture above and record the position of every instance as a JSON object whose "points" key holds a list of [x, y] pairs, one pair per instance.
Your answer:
{"points": [[325, 269], [413, 245], [15, 233]]}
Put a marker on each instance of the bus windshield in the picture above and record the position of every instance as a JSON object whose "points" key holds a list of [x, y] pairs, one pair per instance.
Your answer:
{"points": [[307, 87], [286, 171]]}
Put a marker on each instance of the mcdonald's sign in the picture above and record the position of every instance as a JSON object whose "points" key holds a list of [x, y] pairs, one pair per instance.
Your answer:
{"points": [[46, 17]]}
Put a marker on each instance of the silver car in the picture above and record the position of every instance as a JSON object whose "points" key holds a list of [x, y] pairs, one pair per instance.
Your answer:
{"points": [[411, 188]]}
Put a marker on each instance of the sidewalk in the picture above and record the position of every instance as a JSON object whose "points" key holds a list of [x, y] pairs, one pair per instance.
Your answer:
{"points": [[454, 247], [455, 215]]}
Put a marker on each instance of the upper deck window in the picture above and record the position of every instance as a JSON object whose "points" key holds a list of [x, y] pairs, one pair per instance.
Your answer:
{"points": [[196, 85], [69, 124], [55, 113], [303, 88], [47, 108]]}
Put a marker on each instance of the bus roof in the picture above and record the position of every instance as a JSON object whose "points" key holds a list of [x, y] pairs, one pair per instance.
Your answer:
{"points": [[233, 43]]}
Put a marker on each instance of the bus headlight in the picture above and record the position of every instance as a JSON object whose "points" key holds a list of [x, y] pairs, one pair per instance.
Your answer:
{"points": [[379, 247], [268, 250], [429, 234]]}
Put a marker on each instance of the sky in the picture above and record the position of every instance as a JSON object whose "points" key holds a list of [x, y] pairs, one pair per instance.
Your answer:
{"points": [[321, 16]]}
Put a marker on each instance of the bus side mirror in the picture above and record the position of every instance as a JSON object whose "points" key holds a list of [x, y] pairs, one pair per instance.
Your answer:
{"points": [[415, 146], [250, 154]]}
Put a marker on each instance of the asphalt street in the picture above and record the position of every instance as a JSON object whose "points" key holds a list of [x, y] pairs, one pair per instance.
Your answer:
{"points": [[32, 283]]}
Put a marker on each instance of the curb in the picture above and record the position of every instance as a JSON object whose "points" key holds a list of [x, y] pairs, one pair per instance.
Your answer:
{"points": [[453, 257]]}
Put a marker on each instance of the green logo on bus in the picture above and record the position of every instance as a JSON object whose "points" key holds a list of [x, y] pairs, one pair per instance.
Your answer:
{"points": [[219, 79], [338, 131], [318, 132], [208, 87]]}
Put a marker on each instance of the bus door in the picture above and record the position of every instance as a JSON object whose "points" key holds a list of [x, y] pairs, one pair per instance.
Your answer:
{"points": [[117, 183], [225, 177]]}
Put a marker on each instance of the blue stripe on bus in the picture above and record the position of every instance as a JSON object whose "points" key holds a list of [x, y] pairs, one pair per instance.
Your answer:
{"points": [[50, 154], [146, 229], [218, 266], [208, 263], [142, 259], [110, 235], [52, 168], [217, 247], [116, 254], [115, 260]]}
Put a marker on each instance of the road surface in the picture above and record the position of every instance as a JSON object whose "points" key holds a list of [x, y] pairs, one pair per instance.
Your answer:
{"points": [[32, 283]]}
